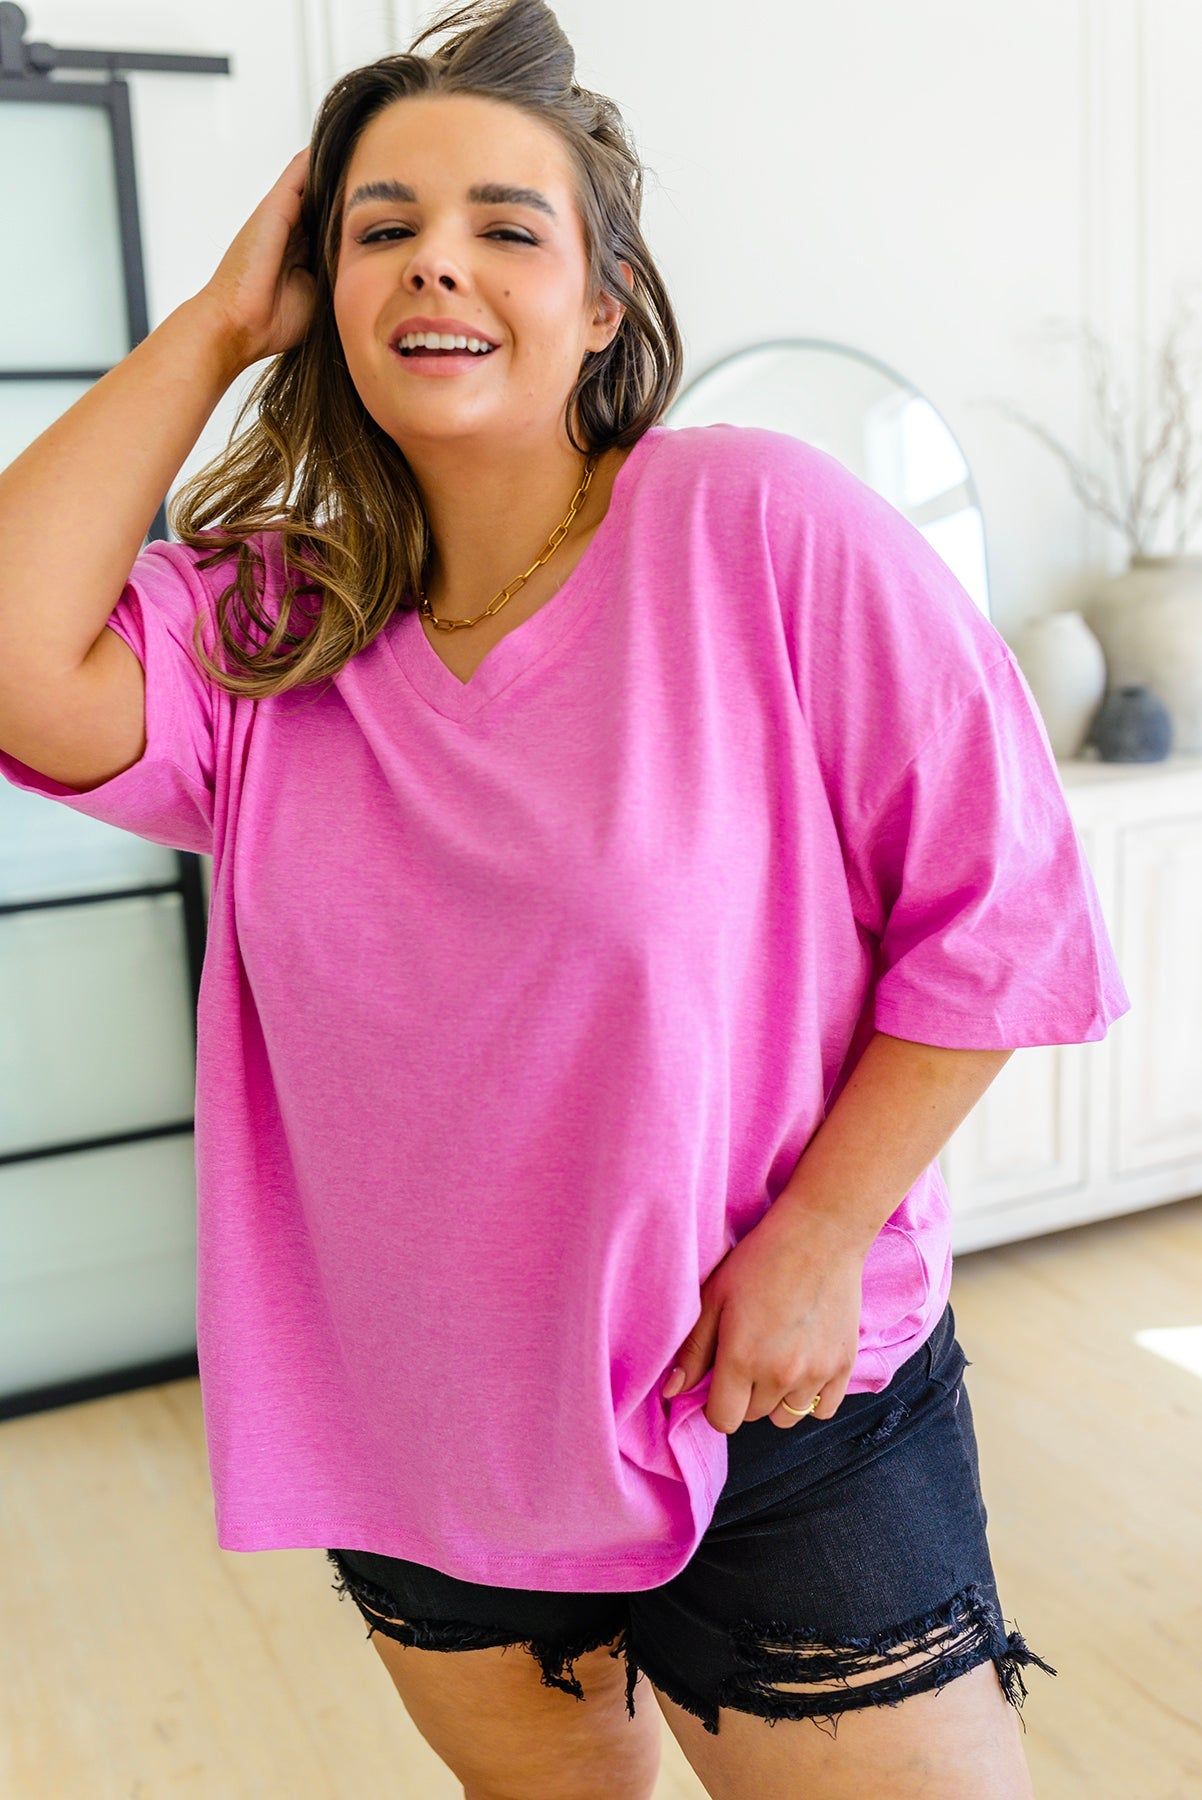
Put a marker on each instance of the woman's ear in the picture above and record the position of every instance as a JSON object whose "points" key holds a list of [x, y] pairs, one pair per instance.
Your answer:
{"points": [[610, 312]]}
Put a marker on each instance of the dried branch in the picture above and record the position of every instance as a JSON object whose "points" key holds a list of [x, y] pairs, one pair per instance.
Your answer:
{"points": [[1161, 452], [1194, 519], [1147, 466], [1112, 415], [1095, 496]]}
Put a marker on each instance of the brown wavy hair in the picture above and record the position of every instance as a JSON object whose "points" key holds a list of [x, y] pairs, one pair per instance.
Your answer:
{"points": [[313, 466]]}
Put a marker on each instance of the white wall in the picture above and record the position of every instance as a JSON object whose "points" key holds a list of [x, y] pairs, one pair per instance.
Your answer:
{"points": [[932, 183]]}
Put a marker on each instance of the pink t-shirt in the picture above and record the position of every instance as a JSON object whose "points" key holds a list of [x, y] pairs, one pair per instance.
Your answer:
{"points": [[522, 997]]}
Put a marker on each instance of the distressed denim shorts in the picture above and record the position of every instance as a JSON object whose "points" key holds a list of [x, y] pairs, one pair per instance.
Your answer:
{"points": [[846, 1565]]}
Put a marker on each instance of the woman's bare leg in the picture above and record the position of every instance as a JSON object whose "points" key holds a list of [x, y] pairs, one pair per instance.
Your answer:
{"points": [[959, 1742], [506, 1736]]}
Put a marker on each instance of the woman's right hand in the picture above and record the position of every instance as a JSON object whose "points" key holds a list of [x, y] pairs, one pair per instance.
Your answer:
{"points": [[261, 290]]}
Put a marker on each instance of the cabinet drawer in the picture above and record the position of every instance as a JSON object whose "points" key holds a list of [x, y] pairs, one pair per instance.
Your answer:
{"points": [[97, 1261], [96, 1021]]}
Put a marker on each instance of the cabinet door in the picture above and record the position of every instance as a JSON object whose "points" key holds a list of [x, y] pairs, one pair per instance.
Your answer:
{"points": [[1025, 1137], [96, 1025], [1023, 1160], [1157, 1121], [100, 940], [97, 1262]]}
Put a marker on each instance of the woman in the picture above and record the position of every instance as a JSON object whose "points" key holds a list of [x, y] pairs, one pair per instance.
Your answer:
{"points": [[633, 856]]}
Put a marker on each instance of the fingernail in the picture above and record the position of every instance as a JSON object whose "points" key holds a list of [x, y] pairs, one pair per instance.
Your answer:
{"points": [[674, 1382]]}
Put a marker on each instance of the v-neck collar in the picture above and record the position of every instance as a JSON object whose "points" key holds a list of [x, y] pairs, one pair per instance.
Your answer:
{"points": [[527, 644]]}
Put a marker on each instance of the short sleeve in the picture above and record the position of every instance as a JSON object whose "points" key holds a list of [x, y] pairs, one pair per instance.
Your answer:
{"points": [[167, 795], [961, 858], [972, 876]]}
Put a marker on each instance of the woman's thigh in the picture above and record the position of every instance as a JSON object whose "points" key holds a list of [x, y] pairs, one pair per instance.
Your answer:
{"points": [[947, 1744], [831, 1617], [507, 1737], [524, 1695]]}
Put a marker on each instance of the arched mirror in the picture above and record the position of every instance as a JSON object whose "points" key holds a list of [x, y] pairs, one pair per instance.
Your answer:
{"points": [[873, 421]]}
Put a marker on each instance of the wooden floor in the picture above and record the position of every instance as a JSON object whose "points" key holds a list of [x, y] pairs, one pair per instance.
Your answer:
{"points": [[138, 1661]]}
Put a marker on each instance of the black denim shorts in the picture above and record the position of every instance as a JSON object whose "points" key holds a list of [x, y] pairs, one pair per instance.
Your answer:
{"points": [[846, 1561]]}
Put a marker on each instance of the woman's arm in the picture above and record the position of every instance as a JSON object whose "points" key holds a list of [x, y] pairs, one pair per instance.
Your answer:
{"points": [[780, 1313], [901, 1104], [76, 504]]}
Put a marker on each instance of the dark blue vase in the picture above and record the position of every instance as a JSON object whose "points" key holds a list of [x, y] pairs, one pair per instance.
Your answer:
{"points": [[1132, 726]]}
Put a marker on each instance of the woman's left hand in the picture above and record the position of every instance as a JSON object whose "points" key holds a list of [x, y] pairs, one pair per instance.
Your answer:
{"points": [[780, 1319]]}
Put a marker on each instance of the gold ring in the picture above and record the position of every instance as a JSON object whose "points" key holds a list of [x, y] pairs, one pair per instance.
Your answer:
{"points": [[809, 1409]]}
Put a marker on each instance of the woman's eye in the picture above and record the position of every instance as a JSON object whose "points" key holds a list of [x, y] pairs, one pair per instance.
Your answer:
{"points": [[378, 237]]}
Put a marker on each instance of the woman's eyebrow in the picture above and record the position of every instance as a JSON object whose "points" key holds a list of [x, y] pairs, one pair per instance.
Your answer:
{"points": [[491, 193], [500, 193]]}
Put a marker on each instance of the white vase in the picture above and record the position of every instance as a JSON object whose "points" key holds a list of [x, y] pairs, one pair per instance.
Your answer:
{"points": [[1066, 671], [1149, 621]]}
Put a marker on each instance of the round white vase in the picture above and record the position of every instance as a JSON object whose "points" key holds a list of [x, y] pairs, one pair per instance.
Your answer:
{"points": [[1065, 668], [1149, 622]]}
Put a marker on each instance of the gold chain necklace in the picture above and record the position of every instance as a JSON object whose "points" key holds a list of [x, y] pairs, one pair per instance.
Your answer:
{"points": [[507, 593]]}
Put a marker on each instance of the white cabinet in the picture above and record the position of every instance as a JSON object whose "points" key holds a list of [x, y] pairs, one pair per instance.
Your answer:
{"points": [[1073, 1132], [98, 963]]}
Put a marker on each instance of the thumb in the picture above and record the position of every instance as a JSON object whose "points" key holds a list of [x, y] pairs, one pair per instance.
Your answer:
{"points": [[694, 1356]]}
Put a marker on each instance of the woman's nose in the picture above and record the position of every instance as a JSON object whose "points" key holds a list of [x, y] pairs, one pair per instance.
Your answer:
{"points": [[433, 265]]}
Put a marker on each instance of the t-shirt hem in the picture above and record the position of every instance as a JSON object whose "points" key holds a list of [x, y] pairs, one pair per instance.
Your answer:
{"points": [[962, 1031], [33, 781], [631, 1573]]}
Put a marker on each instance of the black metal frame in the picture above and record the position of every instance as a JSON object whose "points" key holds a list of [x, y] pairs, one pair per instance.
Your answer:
{"points": [[26, 75], [112, 97]]}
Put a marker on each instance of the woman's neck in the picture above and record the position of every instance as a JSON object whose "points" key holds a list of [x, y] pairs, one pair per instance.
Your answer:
{"points": [[490, 522]]}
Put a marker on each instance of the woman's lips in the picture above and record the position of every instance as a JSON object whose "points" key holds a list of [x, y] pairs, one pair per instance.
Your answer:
{"points": [[442, 362]]}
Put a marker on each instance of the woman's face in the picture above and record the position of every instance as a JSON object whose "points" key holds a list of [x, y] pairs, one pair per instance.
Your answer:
{"points": [[460, 209]]}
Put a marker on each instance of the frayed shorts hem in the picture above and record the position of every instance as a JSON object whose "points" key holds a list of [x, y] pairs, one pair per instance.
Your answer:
{"points": [[950, 1640], [553, 1656]]}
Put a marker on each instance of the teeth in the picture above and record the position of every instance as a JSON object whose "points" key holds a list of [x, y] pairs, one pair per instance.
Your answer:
{"points": [[436, 340]]}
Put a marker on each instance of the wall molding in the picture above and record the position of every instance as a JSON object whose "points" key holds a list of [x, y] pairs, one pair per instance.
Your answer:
{"points": [[337, 35], [1115, 232], [314, 30]]}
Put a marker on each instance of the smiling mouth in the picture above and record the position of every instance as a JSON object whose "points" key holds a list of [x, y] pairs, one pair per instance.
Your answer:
{"points": [[441, 344]]}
